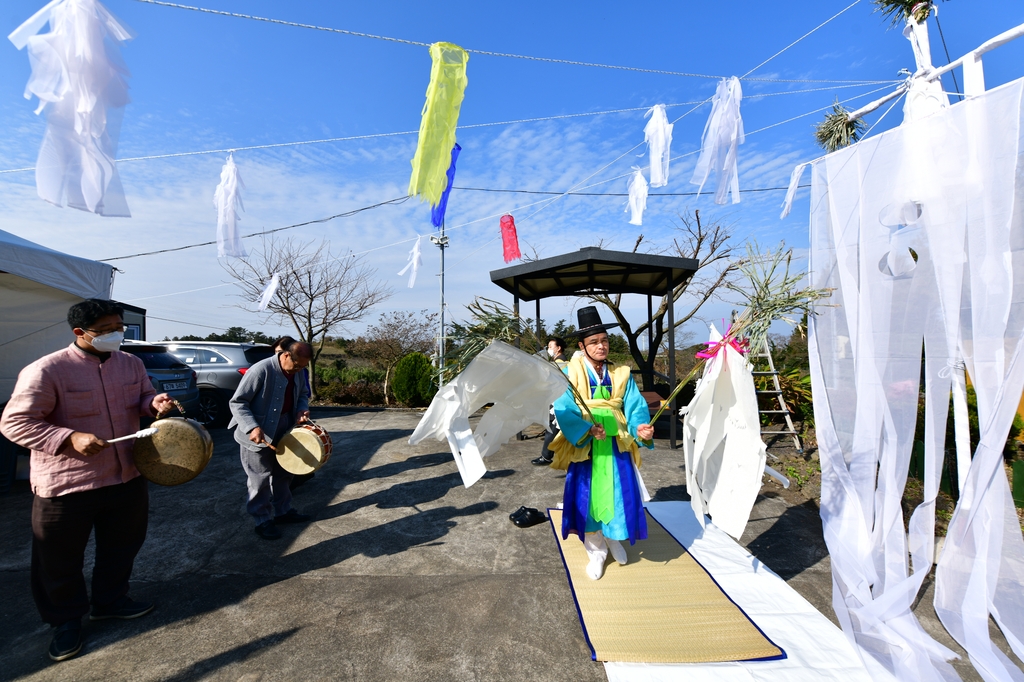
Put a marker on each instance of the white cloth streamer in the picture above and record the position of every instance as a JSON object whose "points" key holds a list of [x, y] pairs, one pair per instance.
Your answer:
{"points": [[723, 133], [415, 261], [944, 187], [658, 136], [924, 97], [637, 202], [521, 386], [227, 199], [722, 446], [794, 183], [82, 85], [269, 291]]}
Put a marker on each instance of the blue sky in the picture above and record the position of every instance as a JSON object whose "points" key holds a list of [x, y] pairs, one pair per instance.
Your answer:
{"points": [[204, 82]]}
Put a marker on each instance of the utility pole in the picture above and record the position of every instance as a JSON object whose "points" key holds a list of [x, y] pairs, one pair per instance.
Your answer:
{"points": [[442, 243]]}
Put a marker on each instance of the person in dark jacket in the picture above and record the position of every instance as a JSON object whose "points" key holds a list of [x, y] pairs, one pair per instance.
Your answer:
{"points": [[271, 398]]}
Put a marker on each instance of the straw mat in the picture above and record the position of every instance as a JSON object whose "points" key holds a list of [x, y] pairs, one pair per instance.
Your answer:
{"points": [[661, 607]]}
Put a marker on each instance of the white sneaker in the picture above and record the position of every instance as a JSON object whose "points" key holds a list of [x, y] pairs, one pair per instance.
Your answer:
{"points": [[595, 569], [618, 551]]}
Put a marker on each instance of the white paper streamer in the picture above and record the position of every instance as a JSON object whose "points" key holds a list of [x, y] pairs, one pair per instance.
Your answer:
{"points": [[82, 85], [948, 183], [794, 182], [269, 291], [637, 197], [658, 135], [415, 261], [722, 446], [723, 133], [227, 199]]}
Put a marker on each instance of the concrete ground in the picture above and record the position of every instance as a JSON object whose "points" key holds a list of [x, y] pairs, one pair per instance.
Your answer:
{"points": [[403, 573]]}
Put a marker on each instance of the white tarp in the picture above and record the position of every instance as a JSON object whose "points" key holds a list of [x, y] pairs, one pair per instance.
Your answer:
{"points": [[522, 388], [725, 456], [816, 650], [920, 233], [37, 286]]}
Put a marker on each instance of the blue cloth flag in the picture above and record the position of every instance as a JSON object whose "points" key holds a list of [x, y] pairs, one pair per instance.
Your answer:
{"points": [[437, 212]]}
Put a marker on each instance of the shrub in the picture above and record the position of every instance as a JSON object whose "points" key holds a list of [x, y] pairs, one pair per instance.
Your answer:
{"points": [[413, 383], [360, 392]]}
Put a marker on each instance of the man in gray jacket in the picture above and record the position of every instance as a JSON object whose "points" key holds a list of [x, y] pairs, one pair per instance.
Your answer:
{"points": [[269, 401]]}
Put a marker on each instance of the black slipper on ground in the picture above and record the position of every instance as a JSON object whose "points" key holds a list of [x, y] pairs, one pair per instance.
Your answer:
{"points": [[517, 513], [531, 517]]}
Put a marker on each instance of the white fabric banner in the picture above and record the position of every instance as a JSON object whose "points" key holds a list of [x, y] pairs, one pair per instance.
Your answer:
{"points": [[658, 136], [521, 388], [723, 133], [227, 199], [722, 444], [82, 85], [637, 202], [918, 232], [269, 291], [415, 261]]}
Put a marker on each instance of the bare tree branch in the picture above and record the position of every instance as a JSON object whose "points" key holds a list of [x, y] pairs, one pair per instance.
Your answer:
{"points": [[318, 292]]}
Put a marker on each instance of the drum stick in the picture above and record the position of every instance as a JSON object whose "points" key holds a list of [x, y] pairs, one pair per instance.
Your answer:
{"points": [[144, 433]]}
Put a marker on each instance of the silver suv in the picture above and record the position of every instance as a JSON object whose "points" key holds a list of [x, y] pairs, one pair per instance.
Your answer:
{"points": [[219, 366], [167, 374]]}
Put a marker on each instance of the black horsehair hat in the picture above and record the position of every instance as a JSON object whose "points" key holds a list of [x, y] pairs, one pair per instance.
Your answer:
{"points": [[590, 322]]}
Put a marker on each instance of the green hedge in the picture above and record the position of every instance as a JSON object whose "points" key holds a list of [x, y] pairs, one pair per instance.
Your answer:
{"points": [[414, 382]]}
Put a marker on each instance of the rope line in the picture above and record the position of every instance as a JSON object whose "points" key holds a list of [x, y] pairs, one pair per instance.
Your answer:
{"points": [[489, 217], [850, 6], [550, 60], [349, 138]]}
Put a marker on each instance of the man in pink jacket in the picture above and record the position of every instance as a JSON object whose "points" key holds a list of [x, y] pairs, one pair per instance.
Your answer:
{"points": [[65, 407]]}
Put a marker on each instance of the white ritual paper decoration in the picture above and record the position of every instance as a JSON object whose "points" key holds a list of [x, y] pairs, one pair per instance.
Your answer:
{"points": [[82, 85], [269, 291], [521, 388], [924, 97], [227, 199], [918, 232], [415, 261], [637, 202], [658, 136], [722, 446], [723, 133]]}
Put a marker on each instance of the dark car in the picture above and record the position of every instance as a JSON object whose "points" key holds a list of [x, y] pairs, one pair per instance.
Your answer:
{"points": [[220, 366], [169, 375]]}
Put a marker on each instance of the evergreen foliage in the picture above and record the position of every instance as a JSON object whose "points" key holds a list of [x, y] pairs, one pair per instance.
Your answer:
{"points": [[413, 384]]}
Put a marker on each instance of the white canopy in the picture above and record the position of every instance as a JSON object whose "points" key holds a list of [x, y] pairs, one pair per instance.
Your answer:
{"points": [[71, 274]]}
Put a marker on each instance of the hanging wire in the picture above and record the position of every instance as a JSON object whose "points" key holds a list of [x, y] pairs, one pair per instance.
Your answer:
{"points": [[370, 136], [239, 15], [949, 59], [468, 223]]}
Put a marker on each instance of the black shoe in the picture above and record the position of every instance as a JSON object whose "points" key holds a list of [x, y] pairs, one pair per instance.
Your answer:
{"points": [[124, 608], [541, 461], [268, 531], [67, 640], [531, 517], [292, 516], [517, 513]]}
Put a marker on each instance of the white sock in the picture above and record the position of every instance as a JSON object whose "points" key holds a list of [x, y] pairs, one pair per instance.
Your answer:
{"points": [[597, 549], [617, 550]]}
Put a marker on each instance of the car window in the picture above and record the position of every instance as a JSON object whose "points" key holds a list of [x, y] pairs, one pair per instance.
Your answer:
{"points": [[159, 360], [209, 357], [257, 353], [188, 355]]}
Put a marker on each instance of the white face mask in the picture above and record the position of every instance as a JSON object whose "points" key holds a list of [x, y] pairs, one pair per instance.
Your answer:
{"points": [[107, 343], [551, 353]]}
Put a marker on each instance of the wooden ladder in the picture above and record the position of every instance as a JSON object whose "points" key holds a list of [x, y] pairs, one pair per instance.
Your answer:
{"points": [[766, 354]]}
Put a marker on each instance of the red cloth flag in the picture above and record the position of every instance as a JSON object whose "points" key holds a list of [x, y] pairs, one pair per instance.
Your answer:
{"points": [[509, 239]]}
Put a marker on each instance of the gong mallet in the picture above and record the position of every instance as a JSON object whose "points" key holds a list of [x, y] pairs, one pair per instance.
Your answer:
{"points": [[144, 433]]}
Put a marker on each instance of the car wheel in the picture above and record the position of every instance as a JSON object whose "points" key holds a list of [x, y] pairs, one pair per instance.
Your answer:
{"points": [[212, 409]]}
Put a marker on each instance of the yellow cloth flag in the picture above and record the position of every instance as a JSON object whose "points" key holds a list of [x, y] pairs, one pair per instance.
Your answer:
{"points": [[437, 127]]}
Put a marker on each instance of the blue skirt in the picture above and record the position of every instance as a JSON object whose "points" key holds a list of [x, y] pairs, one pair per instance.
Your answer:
{"points": [[629, 521]]}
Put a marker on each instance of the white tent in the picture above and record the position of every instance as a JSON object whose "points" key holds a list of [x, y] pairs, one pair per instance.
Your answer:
{"points": [[37, 286]]}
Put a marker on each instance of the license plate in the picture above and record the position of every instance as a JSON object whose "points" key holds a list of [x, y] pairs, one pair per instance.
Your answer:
{"points": [[175, 385]]}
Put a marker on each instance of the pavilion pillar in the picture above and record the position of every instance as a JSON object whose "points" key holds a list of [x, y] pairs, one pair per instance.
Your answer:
{"points": [[672, 360]]}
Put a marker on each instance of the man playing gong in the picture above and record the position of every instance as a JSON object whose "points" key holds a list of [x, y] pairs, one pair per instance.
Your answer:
{"points": [[269, 401], [602, 502], [64, 408]]}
